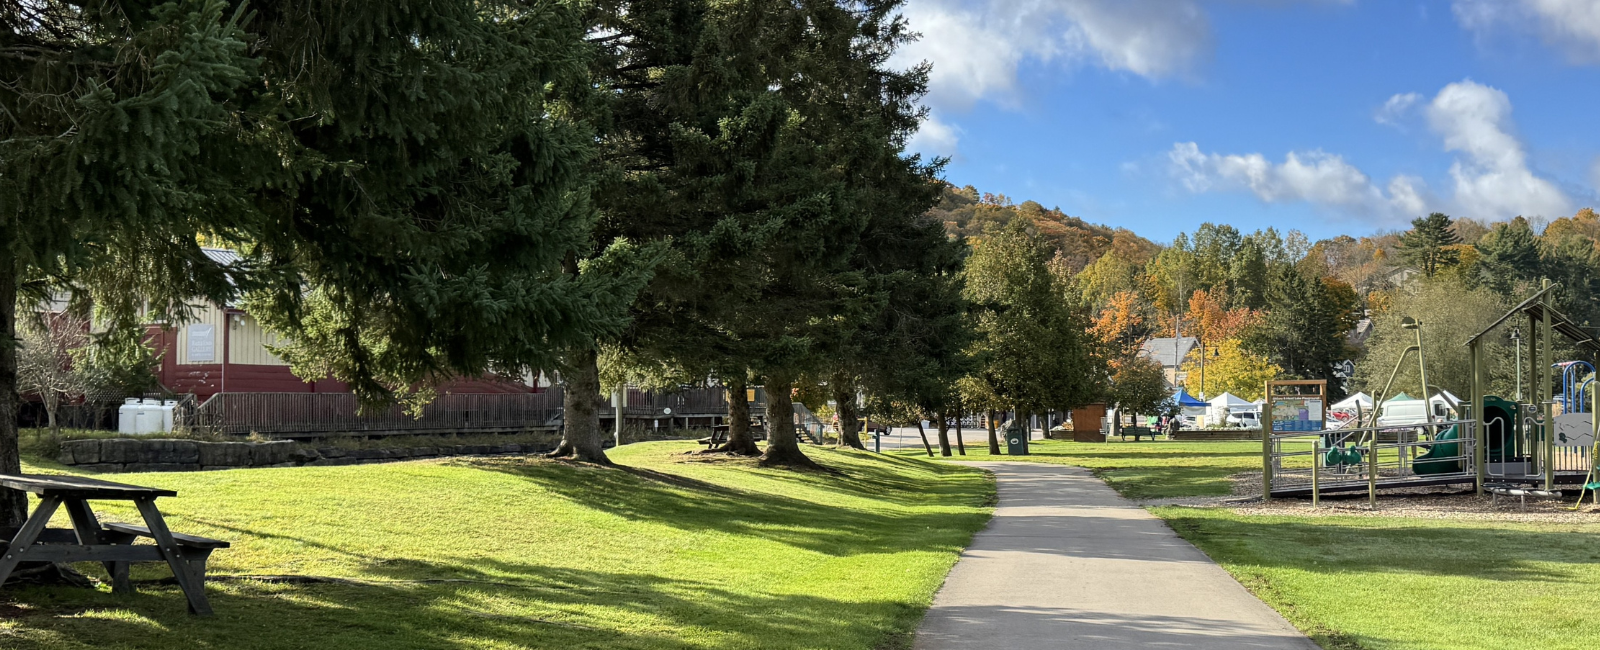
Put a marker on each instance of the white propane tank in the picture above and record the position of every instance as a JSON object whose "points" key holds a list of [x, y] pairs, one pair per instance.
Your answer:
{"points": [[127, 416], [149, 417], [167, 408]]}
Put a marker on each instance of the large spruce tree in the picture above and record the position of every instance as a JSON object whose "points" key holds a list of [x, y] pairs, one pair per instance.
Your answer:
{"points": [[759, 132], [402, 177], [1429, 244], [443, 240], [130, 129], [1033, 348]]}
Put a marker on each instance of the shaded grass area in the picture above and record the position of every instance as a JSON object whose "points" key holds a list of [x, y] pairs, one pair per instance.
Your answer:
{"points": [[1144, 470], [1392, 583], [671, 551]]}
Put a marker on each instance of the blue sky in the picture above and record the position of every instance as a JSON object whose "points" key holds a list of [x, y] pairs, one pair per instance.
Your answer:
{"points": [[1328, 116]]}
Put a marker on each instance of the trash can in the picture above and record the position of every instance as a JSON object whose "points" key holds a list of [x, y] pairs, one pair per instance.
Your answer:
{"points": [[1017, 440]]}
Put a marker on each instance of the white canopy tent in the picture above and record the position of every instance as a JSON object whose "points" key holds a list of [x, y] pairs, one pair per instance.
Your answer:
{"points": [[1220, 406], [1350, 403]]}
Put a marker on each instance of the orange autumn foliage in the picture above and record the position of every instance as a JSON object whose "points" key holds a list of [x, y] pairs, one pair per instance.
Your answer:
{"points": [[1119, 325], [1210, 319]]}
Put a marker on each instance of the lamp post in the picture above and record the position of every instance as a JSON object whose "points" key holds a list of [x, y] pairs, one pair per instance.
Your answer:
{"points": [[1203, 355], [1516, 344]]}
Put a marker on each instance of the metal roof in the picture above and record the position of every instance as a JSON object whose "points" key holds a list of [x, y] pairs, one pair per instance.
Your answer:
{"points": [[222, 256]]}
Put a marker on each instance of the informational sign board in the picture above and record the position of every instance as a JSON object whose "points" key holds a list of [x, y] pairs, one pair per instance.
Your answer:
{"points": [[202, 343], [1297, 405]]}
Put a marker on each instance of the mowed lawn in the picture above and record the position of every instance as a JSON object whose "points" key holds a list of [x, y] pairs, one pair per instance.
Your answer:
{"points": [[1373, 583], [1398, 583], [671, 552]]}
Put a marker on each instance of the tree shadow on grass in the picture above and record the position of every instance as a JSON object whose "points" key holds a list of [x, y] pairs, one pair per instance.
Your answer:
{"points": [[1496, 553], [487, 604], [896, 480], [695, 505]]}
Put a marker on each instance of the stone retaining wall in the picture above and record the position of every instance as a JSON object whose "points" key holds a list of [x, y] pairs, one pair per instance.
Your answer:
{"points": [[143, 455]]}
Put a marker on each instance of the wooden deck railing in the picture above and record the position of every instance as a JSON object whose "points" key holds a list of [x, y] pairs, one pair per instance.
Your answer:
{"points": [[288, 414]]}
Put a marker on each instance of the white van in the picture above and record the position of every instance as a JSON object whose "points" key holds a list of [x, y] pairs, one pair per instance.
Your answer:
{"points": [[1410, 413]]}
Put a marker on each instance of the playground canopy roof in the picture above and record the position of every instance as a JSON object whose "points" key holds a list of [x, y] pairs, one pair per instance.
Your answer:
{"points": [[1535, 307], [1184, 399], [1442, 397]]}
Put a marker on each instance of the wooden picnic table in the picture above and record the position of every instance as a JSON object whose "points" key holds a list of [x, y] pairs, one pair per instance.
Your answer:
{"points": [[110, 544]]}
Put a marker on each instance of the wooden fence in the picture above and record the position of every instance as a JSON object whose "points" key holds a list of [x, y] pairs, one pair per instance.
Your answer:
{"points": [[310, 414]]}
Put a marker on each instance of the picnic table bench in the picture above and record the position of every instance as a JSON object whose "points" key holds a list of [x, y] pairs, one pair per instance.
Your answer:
{"points": [[1139, 431], [719, 434], [111, 544]]}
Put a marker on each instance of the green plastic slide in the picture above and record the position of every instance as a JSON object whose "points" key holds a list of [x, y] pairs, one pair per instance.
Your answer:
{"points": [[1433, 463]]}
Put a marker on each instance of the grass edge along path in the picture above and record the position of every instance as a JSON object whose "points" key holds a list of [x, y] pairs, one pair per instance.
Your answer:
{"points": [[1366, 583], [673, 551]]}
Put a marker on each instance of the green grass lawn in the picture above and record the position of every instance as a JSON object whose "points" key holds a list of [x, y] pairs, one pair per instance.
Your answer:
{"points": [[534, 554], [1402, 584]]}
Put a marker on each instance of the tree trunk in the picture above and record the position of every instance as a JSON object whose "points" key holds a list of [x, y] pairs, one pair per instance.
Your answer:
{"points": [[944, 433], [581, 416], [844, 396], [961, 445], [924, 434], [994, 440], [13, 504], [52, 403], [740, 442], [783, 446]]}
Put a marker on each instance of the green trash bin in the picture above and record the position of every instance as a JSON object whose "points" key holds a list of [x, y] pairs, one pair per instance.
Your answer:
{"points": [[1017, 440]]}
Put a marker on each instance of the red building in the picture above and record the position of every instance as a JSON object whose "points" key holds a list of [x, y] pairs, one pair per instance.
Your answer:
{"points": [[224, 350]]}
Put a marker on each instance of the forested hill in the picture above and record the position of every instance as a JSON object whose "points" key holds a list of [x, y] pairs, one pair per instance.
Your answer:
{"points": [[1270, 304], [965, 211]]}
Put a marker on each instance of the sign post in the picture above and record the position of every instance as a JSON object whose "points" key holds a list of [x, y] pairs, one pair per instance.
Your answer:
{"points": [[1293, 405]]}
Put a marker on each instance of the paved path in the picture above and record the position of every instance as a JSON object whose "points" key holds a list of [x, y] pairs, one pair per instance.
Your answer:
{"points": [[1066, 563]]}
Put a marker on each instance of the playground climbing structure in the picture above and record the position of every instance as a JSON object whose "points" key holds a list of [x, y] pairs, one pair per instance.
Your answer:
{"points": [[1542, 442]]}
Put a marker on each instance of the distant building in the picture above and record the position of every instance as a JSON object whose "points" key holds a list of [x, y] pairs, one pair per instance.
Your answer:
{"points": [[1170, 353], [224, 350]]}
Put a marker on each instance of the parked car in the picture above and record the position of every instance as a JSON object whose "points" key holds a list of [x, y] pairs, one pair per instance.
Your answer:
{"points": [[1244, 419], [873, 427]]}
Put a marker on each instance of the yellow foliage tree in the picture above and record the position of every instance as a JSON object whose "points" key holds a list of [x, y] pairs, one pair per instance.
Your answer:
{"points": [[1230, 368]]}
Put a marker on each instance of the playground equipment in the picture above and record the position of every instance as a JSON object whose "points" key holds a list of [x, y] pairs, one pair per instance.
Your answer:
{"points": [[1493, 443]]}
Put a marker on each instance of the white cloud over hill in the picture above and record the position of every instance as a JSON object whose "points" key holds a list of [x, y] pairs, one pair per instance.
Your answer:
{"points": [[1491, 176]]}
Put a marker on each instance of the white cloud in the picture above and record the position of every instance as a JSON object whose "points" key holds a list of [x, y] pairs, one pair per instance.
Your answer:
{"points": [[1594, 174], [1491, 176], [1314, 177], [935, 138], [976, 46], [1571, 25], [1396, 108], [1492, 179]]}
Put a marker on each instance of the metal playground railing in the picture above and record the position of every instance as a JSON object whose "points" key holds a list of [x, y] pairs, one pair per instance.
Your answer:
{"points": [[1368, 459]]}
